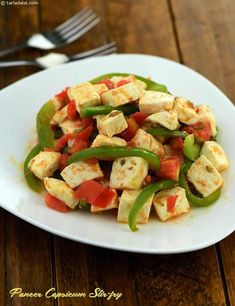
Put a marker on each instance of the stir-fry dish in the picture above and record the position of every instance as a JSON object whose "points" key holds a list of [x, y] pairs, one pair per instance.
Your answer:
{"points": [[124, 143]]}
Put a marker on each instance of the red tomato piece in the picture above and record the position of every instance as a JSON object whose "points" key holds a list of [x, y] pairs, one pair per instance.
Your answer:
{"points": [[169, 169], [139, 118], [72, 111], [177, 143], [108, 83], [63, 95], [55, 203], [201, 130], [87, 121], [130, 131], [123, 82], [63, 161], [170, 202], [89, 191], [62, 142], [85, 133], [78, 145], [104, 199]]}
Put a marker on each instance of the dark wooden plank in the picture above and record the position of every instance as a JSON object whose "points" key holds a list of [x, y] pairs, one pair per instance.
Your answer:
{"points": [[206, 31]]}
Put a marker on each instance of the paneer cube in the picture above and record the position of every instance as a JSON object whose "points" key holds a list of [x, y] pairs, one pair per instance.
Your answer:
{"points": [[60, 115], [126, 202], [204, 112], [147, 141], [100, 88], [111, 124], [121, 95], [171, 203], [131, 78], [155, 101], [128, 173], [84, 94], [81, 171], [204, 176], [71, 126], [102, 140], [167, 119], [44, 164], [61, 191], [216, 155], [113, 204], [185, 111]]}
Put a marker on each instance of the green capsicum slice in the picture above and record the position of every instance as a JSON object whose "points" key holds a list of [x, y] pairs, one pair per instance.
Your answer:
{"points": [[44, 131], [193, 199], [151, 85], [91, 111], [143, 196], [160, 131], [33, 182], [191, 148], [112, 152]]}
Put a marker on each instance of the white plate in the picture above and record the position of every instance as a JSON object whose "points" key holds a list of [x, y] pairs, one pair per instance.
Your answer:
{"points": [[19, 105]]}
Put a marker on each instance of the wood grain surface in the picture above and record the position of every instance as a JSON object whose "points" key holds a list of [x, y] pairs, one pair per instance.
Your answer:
{"points": [[197, 33]]}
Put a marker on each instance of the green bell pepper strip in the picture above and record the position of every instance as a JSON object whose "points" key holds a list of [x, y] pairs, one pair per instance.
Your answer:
{"points": [[143, 196], [111, 152], [191, 149], [194, 200], [33, 182], [160, 131], [151, 85], [44, 131], [91, 111]]}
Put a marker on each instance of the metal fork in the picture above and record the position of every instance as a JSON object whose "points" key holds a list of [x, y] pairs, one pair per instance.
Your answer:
{"points": [[62, 35], [55, 59]]}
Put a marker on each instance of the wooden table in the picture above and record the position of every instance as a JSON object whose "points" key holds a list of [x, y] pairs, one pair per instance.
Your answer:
{"points": [[198, 33]]}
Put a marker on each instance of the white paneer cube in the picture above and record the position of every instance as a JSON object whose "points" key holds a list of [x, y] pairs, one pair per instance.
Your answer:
{"points": [[126, 202], [121, 95], [71, 126], [44, 164], [128, 173], [216, 155], [131, 78], [204, 176], [204, 112], [60, 115], [144, 140], [185, 111], [155, 101], [61, 191], [167, 119], [171, 203], [102, 140], [58, 103], [113, 204], [111, 124], [100, 88], [84, 94], [81, 171]]}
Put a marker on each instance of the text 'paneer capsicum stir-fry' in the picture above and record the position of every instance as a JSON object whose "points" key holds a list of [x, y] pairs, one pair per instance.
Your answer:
{"points": [[122, 142]]}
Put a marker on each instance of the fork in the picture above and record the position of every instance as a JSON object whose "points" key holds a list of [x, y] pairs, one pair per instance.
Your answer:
{"points": [[55, 59], [63, 34]]}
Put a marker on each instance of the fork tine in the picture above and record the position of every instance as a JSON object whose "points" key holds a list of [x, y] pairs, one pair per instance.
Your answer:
{"points": [[76, 22], [110, 47], [79, 32], [78, 15]]}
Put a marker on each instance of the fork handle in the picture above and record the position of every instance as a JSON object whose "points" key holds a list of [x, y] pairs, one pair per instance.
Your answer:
{"points": [[13, 49], [17, 63]]}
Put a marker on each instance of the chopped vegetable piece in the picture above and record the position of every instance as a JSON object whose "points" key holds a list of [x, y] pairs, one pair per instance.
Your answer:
{"points": [[139, 118], [107, 82], [169, 169], [56, 204], [176, 143], [44, 130], [130, 131], [87, 121], [91, 111], [193, 199], [144, 195], [63, 95], [78, 145], [123, 82], [160, 131], [201, 130], [71, 110], [63, 161], [171, 200], [33, 182], [85, 133], [62, 141], [105, 198], [191, 149], [110, 152]]}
